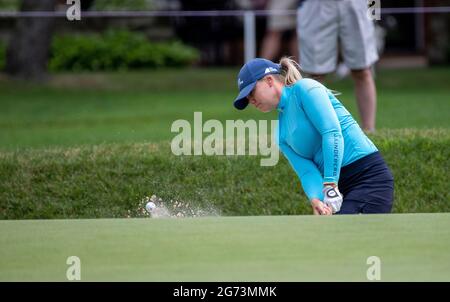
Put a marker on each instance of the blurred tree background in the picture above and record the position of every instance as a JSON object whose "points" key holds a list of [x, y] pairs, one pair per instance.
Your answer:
{"points": [[28, 45], [111, 50]]}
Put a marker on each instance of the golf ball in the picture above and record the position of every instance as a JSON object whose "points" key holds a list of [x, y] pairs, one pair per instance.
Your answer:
{"points": [[150, 206]]}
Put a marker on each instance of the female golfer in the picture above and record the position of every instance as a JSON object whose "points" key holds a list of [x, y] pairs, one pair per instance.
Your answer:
{"points": [[340, 169]]}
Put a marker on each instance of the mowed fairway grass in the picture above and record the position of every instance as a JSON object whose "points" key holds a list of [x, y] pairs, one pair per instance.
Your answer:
{"points": [[89, 109], [411, 247]]}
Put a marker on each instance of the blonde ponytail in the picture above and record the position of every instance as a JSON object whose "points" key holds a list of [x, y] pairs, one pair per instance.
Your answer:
{"points": [[290, 71]]}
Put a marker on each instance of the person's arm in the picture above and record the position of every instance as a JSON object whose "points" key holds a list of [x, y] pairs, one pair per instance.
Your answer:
{"points": [[319, 110], [307, 172], [310, 178]]}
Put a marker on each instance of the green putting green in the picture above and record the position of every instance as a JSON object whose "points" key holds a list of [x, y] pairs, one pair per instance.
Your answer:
{"points": [[411, 247]]}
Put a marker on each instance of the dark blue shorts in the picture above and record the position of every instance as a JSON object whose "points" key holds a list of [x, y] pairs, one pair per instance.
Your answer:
{"points": [[367, 185]]}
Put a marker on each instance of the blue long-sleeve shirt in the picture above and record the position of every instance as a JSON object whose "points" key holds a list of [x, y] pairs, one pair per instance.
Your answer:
{"points": [[318, 135]]}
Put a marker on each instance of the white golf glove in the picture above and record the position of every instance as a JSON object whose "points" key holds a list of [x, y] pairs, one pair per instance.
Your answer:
{"points": [[332, 198]]}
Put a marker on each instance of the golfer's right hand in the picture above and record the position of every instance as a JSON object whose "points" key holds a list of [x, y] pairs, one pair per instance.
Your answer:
{"points": [[319, 208]]}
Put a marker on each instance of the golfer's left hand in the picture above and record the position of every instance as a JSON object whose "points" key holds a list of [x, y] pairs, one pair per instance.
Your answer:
{"points": [[332, 197], [319, 208]]}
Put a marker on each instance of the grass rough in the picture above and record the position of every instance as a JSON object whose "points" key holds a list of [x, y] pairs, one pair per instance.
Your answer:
{"points": [[110, 180]]}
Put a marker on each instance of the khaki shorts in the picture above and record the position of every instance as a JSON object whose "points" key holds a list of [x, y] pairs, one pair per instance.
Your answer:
{"points": [[326, 26], [280, 22]]}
